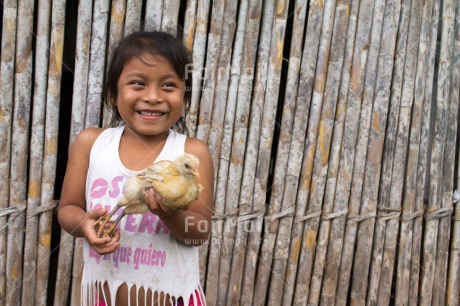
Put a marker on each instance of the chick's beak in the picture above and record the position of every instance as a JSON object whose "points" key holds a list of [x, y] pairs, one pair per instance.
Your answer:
{"points": [[195, 173]]}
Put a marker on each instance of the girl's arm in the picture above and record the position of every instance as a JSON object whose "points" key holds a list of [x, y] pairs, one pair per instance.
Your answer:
{"points": [[192, 226], [72, 214]]}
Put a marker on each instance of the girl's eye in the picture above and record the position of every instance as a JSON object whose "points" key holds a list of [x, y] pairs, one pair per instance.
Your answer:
{"points": [[169, 84], [137, 83]]}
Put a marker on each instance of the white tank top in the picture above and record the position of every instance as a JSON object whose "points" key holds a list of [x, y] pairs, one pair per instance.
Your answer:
{"points": [[148, 255]]}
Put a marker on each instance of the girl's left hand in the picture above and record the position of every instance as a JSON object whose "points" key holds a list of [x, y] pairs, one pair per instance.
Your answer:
{"points": [[156, 205]]}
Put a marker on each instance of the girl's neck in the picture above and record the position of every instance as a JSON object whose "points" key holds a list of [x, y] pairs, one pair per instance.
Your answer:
{"points": [[138, 151]]}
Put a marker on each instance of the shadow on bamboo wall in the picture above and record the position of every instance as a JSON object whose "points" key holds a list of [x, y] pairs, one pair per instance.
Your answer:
{"points": [[333, 130]]}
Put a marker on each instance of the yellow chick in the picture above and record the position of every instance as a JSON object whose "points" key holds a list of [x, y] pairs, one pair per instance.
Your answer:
{"points": [[175, 181]]}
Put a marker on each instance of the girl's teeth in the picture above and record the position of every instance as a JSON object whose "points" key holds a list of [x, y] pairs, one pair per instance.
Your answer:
{"points": [[150, 113]]}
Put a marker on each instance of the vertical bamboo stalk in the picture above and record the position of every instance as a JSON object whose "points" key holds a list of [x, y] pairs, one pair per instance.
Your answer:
{"points": [[117, 27], [423, 160], [219, 113], [235, 171], [36, 150], [369, 151], [153, 15], [6, 117], [442, 252], [400, 156], [170, 16], [133, 16], [19, 151], [406, 237], [50, 152], [323, 157], [305, 260], [453, 281], [269, 98], [210, 73], [97, 62], [248, 79], [212, 285], [199, 50], [66, 249], [284, 159], [190, 24], [437, 154], [337, 226], [297, 164], [349, 143]]}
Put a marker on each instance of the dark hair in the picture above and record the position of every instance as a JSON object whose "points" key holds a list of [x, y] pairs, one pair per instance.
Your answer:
{"points": [[135, 45]]}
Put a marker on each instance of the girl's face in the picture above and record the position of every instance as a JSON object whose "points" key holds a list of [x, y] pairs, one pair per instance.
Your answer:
{"points": [[150, 95]]}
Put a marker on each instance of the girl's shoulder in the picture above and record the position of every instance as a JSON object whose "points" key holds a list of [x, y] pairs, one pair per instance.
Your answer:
{"points": [[86, 139], [195, 145]]}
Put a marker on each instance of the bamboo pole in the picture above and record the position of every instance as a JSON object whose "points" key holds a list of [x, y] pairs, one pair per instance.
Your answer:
{"points": [[133, 16], [153, 15], [190, 24], [36, 150], [170, 16], [447, 179], [369, 155], [284, 160], [408, 212], [199, 50], [297, 164], [19, 151], [116, 31], [423, 160], [97, 59], [273, 64], [349, 143], [337, 225], [255, 53], [218, 113], [50, 152], [453, 280], [400, 157], [212, 285], [210, 73], [6, 117], [66, 249], [435, 208], [323, 157], [235, 172]]}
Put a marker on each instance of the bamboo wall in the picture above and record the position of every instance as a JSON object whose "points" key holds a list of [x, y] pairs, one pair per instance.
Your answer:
{"points": [[332, 125]]}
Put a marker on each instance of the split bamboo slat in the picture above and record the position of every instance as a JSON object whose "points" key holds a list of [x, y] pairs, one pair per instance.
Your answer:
{"points": [[80, 89], [133, 16], [337, 225], [153, 15], [369, 152], [295, 190], [47, 203], [219, 214], [6, 119], [235, 166], [408, 208], [19, 151], [324, 148], [210, 73], [453, 280], [170, 15], [198, 55], [332, 125], [36, 151], [287, 161], [436, 209], [345, 195], [190, 24]]}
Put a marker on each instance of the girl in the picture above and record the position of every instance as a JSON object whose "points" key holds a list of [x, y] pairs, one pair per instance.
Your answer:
{"points": [[152, 258]]}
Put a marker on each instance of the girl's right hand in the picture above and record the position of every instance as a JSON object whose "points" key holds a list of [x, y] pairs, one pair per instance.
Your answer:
{"points": [[104, 245]]}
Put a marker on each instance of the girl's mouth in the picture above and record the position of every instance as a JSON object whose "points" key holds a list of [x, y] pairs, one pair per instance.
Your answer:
{"points": [[150, 114]]}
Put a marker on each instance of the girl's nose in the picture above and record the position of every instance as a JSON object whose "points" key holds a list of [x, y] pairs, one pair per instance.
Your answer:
{"points": [[152, 95]]}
